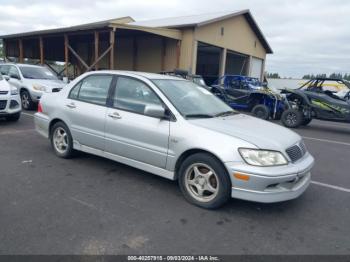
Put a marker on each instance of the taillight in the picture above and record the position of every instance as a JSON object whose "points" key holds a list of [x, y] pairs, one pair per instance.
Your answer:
{"points": [[40, 109]]}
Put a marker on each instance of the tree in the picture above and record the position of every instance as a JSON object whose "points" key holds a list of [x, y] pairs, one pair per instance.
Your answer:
{"points": [[1, 49], [273, 75]]}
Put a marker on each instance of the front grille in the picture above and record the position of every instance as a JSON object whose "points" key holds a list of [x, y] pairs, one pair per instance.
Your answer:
{"points": [[3, 92], [297, 151], [3, 104]]}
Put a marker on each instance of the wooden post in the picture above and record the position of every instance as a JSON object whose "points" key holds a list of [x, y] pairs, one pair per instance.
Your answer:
{"points": [[96, 48], [66, 54], [163, 54], [193, 68], [4, 50], [178, 52], [41, 47], [135, 54], [111, 57], [20, 45]]}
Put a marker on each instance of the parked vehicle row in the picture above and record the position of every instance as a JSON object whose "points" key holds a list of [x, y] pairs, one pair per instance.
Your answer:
{"points": [[176, 129], [320, 98], [31, 82]]}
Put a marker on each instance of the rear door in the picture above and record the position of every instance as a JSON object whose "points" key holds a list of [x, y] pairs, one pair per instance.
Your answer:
{"points": [[85, 110], [130, 133]]}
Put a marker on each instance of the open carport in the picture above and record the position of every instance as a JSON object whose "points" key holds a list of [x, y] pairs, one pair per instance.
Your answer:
{"points": [[109, 45], [208, 44]]}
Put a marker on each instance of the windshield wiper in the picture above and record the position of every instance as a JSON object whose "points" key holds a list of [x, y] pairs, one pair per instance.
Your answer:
{"points": [[226, 113], [199, 116]]}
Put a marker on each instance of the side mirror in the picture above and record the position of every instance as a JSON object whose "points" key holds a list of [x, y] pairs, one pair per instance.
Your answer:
{"points": [[14, 76], [65, 80], [154, 111], [6, 77]]}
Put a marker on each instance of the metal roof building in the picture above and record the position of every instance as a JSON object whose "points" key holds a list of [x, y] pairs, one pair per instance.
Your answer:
{"points": [[208, 44]]}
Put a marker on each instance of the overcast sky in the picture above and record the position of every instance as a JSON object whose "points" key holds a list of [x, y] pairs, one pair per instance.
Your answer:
{"points": [[307, 36]]}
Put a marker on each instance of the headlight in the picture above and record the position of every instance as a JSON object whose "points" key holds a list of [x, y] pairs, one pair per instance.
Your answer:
{"points": [[39, 87], [256, 157], [14, 91]]}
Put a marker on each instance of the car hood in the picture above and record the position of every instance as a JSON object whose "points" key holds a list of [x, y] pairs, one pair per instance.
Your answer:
{"points": [[47, 83], [4, 85], [261, 133]]}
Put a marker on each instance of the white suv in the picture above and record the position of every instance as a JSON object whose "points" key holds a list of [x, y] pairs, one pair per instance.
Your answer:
{"points": [[31, 81], [10, 102]]}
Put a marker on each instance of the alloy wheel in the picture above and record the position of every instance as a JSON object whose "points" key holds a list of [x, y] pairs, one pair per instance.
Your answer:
{"points": [[201, 182], [291, 118], [60, 140], [25, 100]]}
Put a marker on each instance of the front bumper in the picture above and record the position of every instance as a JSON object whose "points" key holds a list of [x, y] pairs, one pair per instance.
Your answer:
{"points": [[271, 184], [35, 95], [9, 105]]}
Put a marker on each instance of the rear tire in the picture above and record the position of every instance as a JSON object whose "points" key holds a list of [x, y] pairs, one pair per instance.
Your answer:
{"points": [[14, 117], [261, 111], [26, 100], [204, 181], [292, 118], [61, 140]]}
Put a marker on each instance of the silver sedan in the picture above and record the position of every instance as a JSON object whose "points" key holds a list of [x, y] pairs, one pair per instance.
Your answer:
{"points": [[178, 130]]}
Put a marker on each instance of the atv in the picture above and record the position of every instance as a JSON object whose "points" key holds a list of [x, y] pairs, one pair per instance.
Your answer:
{"points": [[320, 98], [249, 94]]}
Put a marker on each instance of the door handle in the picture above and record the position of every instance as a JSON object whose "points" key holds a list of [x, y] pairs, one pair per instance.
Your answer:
{"points": [[71, 105], [115, 115]]}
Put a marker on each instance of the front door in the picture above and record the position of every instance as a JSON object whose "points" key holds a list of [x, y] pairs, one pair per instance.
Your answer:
{"points": [[130, 133]]}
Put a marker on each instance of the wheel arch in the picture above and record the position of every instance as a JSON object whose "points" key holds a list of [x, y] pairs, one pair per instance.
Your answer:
{"points": [[299, 95], [23, 88], [52, 123], [190, 152]]}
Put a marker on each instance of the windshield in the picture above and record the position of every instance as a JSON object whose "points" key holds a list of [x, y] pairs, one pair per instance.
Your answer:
{"points": [[192, 100], [31, 72]]}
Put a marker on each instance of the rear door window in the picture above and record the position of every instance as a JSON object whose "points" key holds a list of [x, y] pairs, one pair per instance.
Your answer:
{"points": [[92, 89]]}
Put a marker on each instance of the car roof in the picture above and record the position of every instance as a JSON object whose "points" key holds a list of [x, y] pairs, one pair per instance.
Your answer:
{"points": [[19, 64], [151, 76]]}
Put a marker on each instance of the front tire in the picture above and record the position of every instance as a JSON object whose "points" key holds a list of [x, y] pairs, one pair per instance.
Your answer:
{"points": [[261, 111], [26, 100], [292, 118], [61, 140], [204, 181], [14, 117]]}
